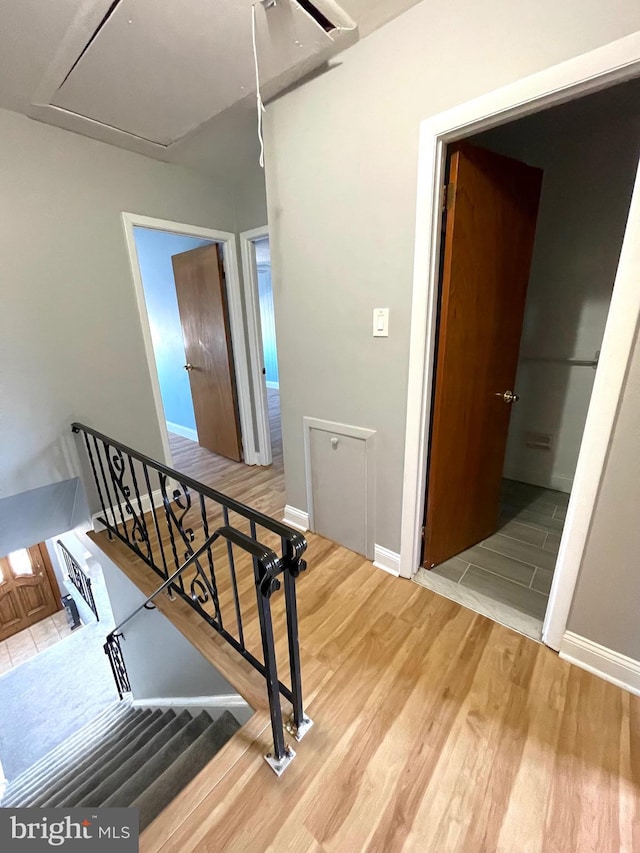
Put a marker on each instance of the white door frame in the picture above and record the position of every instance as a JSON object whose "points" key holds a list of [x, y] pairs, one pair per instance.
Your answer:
{"points": [[599, 69], [254, 337], [228, 242]]}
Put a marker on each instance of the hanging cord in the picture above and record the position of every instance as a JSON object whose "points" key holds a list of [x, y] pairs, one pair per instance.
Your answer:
{"points": [[260, 105]]}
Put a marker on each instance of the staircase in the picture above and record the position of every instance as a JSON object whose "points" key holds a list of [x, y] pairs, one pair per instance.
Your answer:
{"points": [[125, 757]]}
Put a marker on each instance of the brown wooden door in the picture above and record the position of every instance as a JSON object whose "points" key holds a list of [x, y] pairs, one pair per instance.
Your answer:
{"points": [[492, 206], [204, 315], [28, 590]]}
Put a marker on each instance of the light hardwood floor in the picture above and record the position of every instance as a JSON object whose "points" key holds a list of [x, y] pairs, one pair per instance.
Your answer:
{"points": [[436, 729]]}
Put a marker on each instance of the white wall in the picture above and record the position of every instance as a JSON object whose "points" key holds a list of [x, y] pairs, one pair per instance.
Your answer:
{"points": [[341, 189], [589, 152], [70, 339]]}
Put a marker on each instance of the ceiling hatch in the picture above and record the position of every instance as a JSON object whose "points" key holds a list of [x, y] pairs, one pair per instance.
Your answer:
{"points": [[157, 71]]}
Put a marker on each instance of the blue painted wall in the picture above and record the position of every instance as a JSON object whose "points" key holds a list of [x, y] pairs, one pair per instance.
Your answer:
{"points": [[267, 319], [155, 249]]}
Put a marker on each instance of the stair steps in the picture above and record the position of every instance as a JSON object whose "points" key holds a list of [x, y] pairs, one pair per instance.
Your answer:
{"points": [[125, 757]]}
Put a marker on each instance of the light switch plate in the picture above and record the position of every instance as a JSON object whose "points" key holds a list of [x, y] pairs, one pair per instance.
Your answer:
{"points": [[380, 322]]}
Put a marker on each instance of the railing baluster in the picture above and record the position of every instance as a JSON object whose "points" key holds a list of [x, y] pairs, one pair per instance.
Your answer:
{"points": [[165, 501], [143, 523], [214, 586], [114, 483], [113, 519], [95, 477], [234, 581], [155, 519]]}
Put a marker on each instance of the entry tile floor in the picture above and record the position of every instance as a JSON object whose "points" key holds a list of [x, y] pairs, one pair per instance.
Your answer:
{"points": [[30, 642], [508, 576]]}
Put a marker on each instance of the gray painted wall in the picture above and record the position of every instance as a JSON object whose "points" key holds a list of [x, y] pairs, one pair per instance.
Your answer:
{"points": [[341, 187], [161, 663], [70, 339], [33, 516], [607, 599]]}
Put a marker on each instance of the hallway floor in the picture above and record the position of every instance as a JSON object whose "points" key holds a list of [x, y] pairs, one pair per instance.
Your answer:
{"points": [[435, 729], [508, 576], [261, 487], [30, 642]]}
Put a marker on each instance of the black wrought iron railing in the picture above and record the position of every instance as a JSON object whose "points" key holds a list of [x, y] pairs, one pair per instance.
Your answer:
{"points": [[228, 576], [113, 651], [78, 578]]}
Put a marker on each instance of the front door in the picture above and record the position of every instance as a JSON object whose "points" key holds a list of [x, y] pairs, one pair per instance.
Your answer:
{"points": [[490, 225], [204, 316], [28, 590]]}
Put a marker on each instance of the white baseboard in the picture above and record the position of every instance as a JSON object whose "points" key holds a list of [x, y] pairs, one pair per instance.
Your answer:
{"points": [[555, 481], [232, 700], [388, 561], [185, 432], [144, 501], [273, 385], [601, 661], [296, 518]]}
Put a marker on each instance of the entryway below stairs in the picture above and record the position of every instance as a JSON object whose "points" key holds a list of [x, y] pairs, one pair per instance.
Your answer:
{"points": [[507, 577], [51, 695]]}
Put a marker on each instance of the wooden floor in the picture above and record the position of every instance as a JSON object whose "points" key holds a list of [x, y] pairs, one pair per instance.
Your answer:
{"points": [[261, 488], [436, 729]]}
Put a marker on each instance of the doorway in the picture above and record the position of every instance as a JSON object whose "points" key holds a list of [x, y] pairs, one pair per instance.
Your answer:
{"points": [[588, 150], [29, 591], [188, 293], [263, 349]]}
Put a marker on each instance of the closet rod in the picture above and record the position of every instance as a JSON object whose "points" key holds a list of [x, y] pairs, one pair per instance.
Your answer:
{"points": [[573, 362]]}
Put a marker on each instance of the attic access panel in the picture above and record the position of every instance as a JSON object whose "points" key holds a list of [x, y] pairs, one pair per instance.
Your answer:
{"points": [[160, 70]]}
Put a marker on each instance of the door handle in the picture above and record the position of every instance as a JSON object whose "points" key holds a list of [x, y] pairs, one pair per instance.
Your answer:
{"points": [[188, 367], [508, 396]]}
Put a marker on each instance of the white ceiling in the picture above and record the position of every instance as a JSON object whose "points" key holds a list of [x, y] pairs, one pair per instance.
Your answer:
{"points": [[173, 80]]}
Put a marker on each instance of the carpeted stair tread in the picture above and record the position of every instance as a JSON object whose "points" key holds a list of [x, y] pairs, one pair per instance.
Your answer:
{"points": [[103, 722], [96, 775], [78, 761], [187, 765], [85, 763], [54, 765], [137, 783], [121, 770]]}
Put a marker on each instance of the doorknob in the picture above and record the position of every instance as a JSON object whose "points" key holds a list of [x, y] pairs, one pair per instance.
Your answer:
{"points": [[188, 366], [508, 396]]}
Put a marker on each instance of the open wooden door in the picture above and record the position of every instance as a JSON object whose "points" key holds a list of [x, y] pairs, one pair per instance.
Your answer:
{"points": [[28, 590], [204, 315], [492, 206]]}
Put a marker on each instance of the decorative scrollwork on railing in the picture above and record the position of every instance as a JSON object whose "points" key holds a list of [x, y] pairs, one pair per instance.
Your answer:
{"points": [[113, 651], [202, 592], [139, 533], [181, 497], [79, 579]]}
